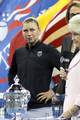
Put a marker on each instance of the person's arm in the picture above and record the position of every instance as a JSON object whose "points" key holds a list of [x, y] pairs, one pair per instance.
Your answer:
{"points": [[55, 62], [65, 54], [55, 57], [12, 70], [73, 110], [68, 114]]}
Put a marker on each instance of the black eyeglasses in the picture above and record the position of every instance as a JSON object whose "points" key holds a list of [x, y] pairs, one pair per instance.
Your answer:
{"points": [[73, 14]]}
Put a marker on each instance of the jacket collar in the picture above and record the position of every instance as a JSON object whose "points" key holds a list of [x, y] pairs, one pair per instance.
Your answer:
{"points": [[34, 46]]}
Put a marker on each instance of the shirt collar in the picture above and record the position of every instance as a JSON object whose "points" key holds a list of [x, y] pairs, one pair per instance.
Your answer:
{"points": [[34, 46]]}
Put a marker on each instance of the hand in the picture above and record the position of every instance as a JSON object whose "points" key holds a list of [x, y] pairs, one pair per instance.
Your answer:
{"points": [[45, 96], [56, 99], [66, 115], [63, 73], [70, 113]]}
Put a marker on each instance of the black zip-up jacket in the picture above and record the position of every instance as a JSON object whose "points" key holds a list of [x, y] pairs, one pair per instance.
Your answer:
{"points": [[34, 68]]}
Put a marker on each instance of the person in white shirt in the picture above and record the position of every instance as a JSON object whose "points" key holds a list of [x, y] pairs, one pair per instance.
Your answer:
{"points": [[71, 105]]}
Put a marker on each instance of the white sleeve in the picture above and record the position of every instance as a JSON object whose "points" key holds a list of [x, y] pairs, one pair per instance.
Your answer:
{"points": [[77, 102]]}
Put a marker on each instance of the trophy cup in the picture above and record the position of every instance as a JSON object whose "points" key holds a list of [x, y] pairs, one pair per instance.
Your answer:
{"points": [[17, 98]]}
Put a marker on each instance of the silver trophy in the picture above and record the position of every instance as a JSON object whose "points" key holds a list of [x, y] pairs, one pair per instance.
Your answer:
{"points": [[17, 98]]}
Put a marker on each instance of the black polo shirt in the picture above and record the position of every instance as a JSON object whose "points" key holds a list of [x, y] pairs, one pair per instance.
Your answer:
{"points": [[34, 68]]}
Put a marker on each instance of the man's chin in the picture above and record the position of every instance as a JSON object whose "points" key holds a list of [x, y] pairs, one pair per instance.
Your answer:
{"points": [[31, 42]]}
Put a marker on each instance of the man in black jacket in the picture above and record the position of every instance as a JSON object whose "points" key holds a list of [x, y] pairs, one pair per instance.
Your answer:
{"points": [[34, 64]]}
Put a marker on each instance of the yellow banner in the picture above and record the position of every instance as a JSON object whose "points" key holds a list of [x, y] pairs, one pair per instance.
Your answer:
{"points": [[47, 16]]}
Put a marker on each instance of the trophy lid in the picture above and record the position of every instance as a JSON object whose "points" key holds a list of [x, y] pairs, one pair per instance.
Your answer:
{"points": [[16, 86]]}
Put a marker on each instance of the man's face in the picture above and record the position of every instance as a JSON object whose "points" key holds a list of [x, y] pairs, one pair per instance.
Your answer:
{"points": [[74, 10], [31, 32], [76, 39]]}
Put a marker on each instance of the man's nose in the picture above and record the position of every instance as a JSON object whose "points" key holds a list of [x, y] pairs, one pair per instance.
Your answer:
{"points": [[29, 32]]}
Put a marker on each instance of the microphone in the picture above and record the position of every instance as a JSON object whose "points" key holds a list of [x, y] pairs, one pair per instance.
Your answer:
{"points": [[64, 62], [65, 59]]}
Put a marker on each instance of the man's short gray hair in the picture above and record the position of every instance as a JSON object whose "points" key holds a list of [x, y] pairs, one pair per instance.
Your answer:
{"points": [[31, 19]]}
